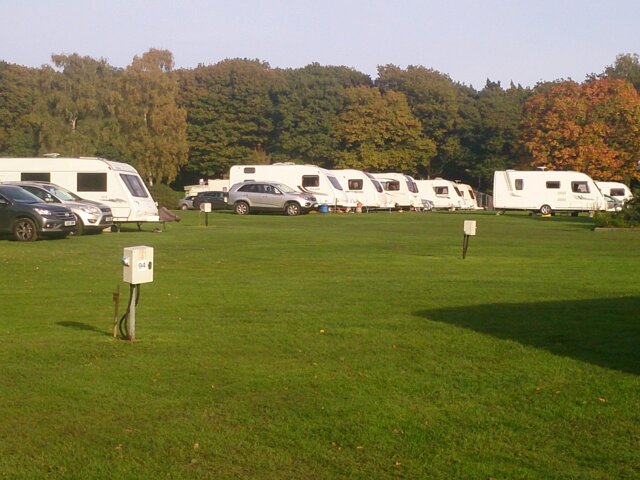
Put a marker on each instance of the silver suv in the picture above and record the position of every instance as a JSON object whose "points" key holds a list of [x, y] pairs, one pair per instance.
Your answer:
{"points": [[90, 216], [256, 196]]}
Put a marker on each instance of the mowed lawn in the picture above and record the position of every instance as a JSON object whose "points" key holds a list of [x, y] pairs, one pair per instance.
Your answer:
{"points": [[324, 347]]}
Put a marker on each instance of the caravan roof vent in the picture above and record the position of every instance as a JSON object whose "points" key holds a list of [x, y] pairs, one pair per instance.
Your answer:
{"points": [[51, 155]]}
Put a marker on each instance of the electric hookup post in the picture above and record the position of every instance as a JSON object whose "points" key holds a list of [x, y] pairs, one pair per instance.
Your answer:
{"points": [[206, 208], [137, 268], [469, 230]]}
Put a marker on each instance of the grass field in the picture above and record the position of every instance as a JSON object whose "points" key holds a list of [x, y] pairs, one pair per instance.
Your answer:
{"points": [[324, 347]]}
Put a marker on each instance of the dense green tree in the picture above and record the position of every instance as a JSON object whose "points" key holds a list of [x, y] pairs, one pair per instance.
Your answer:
{"points": [[230, 113], [18, 131], [626, 67], [305, 112], [434, 100], [497, 128], [75, 110], [378, 133], [153, 127]]}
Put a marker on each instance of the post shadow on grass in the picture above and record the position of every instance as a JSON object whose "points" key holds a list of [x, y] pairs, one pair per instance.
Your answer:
{"points": [[82, 326], [602, 331]]}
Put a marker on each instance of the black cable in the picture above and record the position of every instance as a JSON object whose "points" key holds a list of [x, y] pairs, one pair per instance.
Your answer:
{"points": [[123, 323]]}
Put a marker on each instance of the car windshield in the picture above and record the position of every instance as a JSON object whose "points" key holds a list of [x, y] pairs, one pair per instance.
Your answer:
{"points": [[61, 193], [285, 188], [19, 195]]}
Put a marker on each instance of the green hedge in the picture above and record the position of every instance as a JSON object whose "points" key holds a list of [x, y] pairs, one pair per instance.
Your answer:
{"points": [[165, 196]]}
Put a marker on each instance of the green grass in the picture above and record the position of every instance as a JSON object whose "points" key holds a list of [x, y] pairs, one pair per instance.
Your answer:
{"points": [[327, 346]]}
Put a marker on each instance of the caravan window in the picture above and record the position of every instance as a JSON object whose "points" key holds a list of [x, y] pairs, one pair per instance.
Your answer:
{"points": [[334, 181], [393, 186], [355, 184], [91, 182], [441, 190], [411, 185], [310, 181], [519, 184], [249, 169], [579, 187], [617, 192], [134, 184], [553, 184], [35, 177]]}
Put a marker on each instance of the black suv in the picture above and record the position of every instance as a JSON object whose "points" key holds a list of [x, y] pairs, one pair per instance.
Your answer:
{"points": [[24, 216], [218, 200]]}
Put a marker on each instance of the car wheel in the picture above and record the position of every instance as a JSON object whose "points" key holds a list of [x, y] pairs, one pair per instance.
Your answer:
{"points": [[24, 230], [292, 209], [184, 207], [545, 210], [79, 227], [241, 208]]}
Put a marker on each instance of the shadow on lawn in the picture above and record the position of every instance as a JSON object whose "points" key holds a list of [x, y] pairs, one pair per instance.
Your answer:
{"points": [[82, 326], [603, 331]]}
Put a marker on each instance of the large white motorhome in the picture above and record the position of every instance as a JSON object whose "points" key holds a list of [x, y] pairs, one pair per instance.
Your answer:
{"points": [[115, 184], [546, 191], [362, 188], [317, 181], [617, 190], [444, 194], [470, 202]]}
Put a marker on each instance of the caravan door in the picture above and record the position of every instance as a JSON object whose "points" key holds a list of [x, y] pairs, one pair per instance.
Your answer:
{"points": [[583, 196]]}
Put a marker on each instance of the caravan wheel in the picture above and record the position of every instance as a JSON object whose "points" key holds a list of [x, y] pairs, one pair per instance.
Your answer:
{"points": [[545, 210]]}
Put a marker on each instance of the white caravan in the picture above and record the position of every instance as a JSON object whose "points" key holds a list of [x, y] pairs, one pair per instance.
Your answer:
{"points": [[617, 190], [115, 184], [362, 188], [468, 197], [546, 191], [401, 190], [216, 185], [444, 194], [317, 181]]}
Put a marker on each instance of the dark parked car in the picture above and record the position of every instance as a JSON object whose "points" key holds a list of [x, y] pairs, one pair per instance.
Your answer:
{"points": [[91, 217], [186, 203], [218, 200], [24, 216]]}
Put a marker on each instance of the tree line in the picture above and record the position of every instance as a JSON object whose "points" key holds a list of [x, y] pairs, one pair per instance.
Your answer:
{"points": [[188, 123]]}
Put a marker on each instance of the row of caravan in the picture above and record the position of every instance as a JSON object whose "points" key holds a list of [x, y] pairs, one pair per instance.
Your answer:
{"points": [[539, 190], [350, 188]]}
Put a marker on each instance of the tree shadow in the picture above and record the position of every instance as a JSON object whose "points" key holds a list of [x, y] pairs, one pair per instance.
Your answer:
{"points": [[603, 331], [82, 326]]}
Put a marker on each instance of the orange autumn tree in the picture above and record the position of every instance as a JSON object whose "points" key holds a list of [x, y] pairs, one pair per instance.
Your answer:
{"points": [[592, 127]]}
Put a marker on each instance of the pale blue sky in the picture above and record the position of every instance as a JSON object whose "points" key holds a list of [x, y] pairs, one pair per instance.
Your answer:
{"points": [[523, 41]]}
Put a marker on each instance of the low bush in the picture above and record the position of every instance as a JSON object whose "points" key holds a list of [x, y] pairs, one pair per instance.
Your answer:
{"points": [[164, 195], [628, 217]]}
